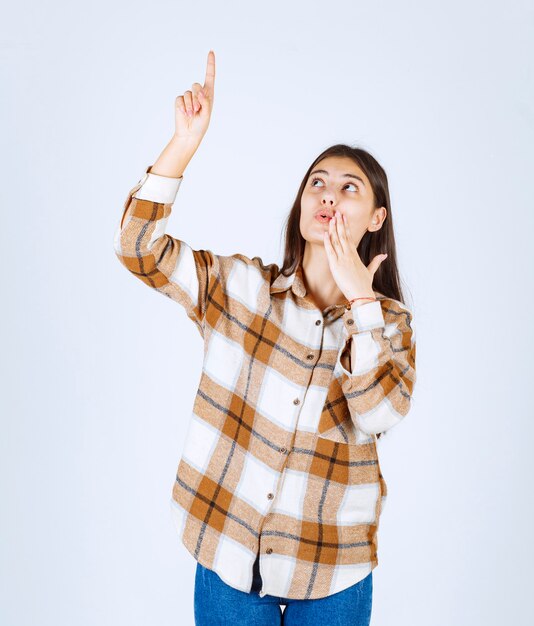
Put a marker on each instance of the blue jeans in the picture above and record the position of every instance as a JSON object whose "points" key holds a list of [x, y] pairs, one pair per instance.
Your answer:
{"points": [[218, 604]]}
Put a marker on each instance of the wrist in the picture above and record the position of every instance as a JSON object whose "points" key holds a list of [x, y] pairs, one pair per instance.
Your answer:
{"points": [[360, 297], [182, 143], [357, 303]]}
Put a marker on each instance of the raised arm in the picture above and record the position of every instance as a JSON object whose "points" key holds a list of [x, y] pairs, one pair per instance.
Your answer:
{"points": [[165, 263]]}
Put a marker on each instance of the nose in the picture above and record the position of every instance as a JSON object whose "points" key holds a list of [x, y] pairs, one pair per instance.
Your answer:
{"points": [[328, 197]]}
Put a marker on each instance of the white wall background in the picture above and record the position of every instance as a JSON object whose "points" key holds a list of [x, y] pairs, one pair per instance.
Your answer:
{"points": [[99, 373]]}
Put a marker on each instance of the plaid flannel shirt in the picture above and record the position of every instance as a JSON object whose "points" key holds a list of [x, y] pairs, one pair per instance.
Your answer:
{"points": [[280, 456]]}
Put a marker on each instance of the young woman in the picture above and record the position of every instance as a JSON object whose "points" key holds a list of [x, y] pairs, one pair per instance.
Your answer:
{"points": [[279, 492]]}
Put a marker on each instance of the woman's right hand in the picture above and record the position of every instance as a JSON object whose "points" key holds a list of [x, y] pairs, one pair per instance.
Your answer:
{"points": [[199, 102]]}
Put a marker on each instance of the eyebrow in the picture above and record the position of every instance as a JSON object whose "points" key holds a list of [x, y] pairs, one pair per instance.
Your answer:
{"points": [[347, 175]]}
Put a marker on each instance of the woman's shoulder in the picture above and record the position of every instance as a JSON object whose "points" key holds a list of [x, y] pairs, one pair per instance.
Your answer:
{"points": [[243, 264], [394, 310]]}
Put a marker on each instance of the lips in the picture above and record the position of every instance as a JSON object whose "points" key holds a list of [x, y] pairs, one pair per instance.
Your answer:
{"points": [[323, 215]]}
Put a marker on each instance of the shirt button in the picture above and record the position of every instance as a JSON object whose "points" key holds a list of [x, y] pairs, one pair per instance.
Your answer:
{"points": [[269, 550], [310, 356], [350, 321], [296, 401], [317, 322], [270, 496]]}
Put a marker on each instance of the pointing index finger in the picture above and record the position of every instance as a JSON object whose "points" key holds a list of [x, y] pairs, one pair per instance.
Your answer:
{"points": [[209, 81]]}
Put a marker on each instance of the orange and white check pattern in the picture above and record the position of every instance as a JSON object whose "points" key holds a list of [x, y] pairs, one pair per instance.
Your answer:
{"points": [[280, 456]]}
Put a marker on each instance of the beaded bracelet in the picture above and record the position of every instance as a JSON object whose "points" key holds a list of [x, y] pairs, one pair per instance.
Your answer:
{"points": [[349, 303]]}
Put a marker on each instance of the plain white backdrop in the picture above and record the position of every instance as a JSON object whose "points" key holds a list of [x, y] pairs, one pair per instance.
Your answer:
{"points": [[99, 372]]}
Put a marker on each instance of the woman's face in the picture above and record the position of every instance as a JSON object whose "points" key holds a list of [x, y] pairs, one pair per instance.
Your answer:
{"points": [[338, 184]]}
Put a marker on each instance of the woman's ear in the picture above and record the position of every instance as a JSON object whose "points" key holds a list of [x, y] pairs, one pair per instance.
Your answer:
{"points": [[379, 215]]}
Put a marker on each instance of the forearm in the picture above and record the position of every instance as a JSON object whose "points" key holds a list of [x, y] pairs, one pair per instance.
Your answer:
{"points": [[162, 179], [174, 158]]}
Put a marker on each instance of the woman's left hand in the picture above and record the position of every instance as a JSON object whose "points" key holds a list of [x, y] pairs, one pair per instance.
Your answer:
{"points": [[352, 277]]}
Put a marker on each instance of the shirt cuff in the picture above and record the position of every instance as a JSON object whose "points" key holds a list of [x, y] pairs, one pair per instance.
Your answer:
{"points": [[158, 188], [364, 317]]}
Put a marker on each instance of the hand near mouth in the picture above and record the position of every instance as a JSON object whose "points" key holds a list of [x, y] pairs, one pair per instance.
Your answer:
{"points": [[352, 277]]}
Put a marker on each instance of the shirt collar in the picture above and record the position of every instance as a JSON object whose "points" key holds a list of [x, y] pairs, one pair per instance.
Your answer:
{"points": [[294, 281]]}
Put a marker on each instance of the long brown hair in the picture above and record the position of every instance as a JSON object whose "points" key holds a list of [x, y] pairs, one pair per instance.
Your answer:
{"points": [[386, 279]]}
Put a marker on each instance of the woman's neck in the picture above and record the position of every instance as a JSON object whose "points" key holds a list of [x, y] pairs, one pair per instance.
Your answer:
{"points": [[319, 281]]}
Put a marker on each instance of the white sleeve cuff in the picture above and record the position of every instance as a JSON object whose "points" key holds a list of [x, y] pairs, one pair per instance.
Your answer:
{"points": [[158, 188], [364, 317]]}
